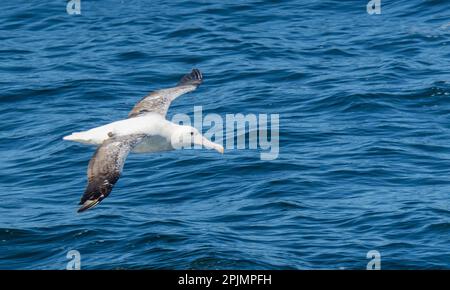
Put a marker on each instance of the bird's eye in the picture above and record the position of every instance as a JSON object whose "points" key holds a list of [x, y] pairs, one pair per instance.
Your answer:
{"points": [[192, 133]]}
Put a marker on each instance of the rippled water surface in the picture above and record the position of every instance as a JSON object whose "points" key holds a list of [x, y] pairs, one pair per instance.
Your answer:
{"points": [[364, 162]]}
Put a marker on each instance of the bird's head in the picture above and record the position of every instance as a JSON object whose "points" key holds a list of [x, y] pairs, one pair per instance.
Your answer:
{"points": [[187, 136]]}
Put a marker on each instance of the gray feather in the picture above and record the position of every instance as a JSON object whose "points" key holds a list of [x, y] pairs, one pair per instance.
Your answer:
{"points": [[105, 168], [159, 101]]}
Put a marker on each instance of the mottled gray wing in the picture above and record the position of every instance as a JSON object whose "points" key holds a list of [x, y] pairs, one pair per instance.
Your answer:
{"points": [[159, 101], [105, 168]]}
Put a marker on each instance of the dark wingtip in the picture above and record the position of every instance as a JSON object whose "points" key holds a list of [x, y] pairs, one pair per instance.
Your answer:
{"points": [[195, 78], [88, 204]]}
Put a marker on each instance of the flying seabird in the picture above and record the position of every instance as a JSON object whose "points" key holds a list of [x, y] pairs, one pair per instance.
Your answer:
{"points": [[145, 130]]}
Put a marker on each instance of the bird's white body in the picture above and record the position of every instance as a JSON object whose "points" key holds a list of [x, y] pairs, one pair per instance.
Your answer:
{"points": [[149, 125]]}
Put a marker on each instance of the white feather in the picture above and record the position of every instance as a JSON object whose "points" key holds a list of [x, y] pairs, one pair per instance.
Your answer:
{"points": [[149, 124]]}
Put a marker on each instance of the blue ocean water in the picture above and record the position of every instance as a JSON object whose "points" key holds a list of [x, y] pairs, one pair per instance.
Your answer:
{"points": [[364, 162]]}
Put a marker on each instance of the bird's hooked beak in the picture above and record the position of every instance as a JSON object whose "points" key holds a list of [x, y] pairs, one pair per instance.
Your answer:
{"points": [[208, 144]]}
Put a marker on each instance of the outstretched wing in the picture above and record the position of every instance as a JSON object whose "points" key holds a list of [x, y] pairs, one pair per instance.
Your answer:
{"points": [[159, 101], [105, 168]]}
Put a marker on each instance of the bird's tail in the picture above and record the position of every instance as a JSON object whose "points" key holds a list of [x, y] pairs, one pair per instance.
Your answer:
{"points": [[77, 136], [80, 137]]}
